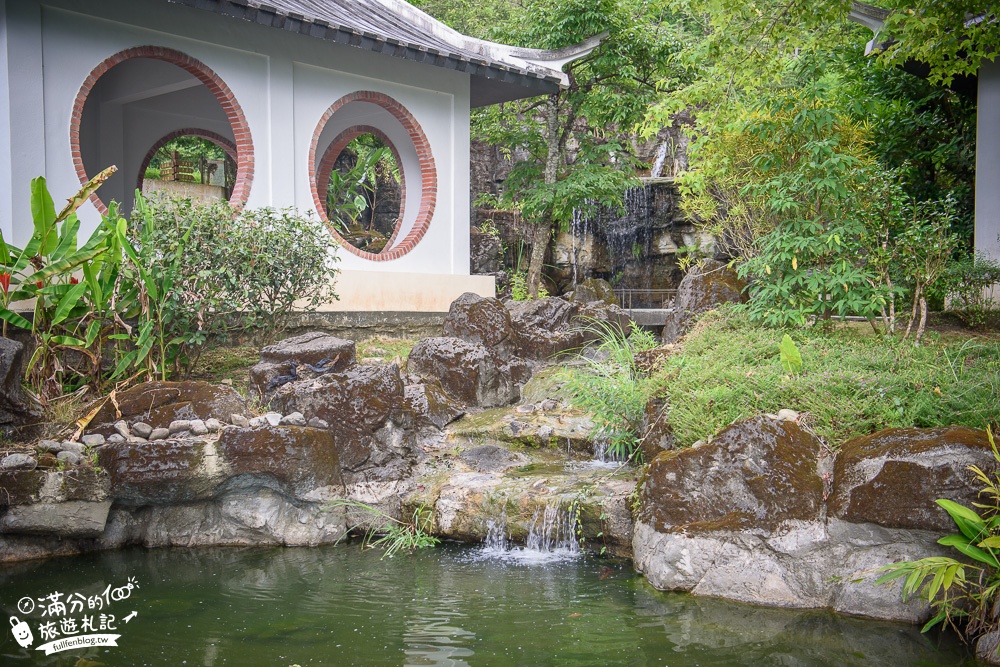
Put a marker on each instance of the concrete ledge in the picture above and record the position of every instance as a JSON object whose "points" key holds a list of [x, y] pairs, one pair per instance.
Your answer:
{"points": [[404, 292], [364, 324]]}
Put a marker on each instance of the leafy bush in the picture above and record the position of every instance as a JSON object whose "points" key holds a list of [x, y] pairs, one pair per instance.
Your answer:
{"points": [[960, 591], [200, 270], [519, 287], [851, 383], [612, 388], [965, 283], [70, 314]]}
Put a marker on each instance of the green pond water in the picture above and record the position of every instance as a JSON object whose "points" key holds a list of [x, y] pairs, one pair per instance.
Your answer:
{"points": [[452, 606]]}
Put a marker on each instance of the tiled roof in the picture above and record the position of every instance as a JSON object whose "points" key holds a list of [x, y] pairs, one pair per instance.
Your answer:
{"points": [[393, 27]]}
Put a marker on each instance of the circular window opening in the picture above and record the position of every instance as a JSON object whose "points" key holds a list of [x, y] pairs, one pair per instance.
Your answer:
{"points": [[199, 166], [364, 193], [365, 149], [139, 100]]}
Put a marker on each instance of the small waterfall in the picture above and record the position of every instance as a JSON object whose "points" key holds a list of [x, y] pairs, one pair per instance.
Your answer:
{"points": [[551, 537], [661, 155], [496, 537], [602, 456], [552, 530]]}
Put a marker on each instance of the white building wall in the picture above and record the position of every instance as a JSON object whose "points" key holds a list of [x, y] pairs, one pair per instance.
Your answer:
{"points": [[988, 161], [283, 82]]}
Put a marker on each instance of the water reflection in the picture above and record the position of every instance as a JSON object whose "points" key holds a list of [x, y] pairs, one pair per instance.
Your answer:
{"points": [[449, 606]]}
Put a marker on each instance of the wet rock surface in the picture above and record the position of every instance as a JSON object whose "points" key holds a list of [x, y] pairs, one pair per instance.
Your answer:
{"points": [[705, 286]]}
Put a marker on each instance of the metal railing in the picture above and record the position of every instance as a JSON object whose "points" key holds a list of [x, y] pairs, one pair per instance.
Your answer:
{"points": [[631, 299]]}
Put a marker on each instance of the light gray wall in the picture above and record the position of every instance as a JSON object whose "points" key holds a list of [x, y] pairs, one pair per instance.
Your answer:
{"points": [[5, 204], [988, 160], [284, 83]]}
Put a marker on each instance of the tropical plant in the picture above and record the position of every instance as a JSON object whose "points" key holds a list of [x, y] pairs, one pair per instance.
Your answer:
{"points": [[961, 592], [68, 314], [352, 192], [610, 385]]}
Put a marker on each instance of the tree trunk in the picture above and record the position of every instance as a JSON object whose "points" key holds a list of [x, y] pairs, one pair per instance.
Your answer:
{"points": [[913, 311], [923, 319], [543, 228]]}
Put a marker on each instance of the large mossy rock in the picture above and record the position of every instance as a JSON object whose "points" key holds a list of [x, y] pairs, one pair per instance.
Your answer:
{"points": [[749, 516], [162, 472], [57, 504], [159, 403], [476, 319], [546, 327], [301, 461], [366, 411], [469, 372], [755, 474], [294, 356], [431, 406], [594, 290], [706, 286], [893, 477]]}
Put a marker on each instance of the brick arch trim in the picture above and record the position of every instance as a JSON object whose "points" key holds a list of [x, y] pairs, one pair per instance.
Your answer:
{"points": [[201, 71], [425, 159], [217, 139], [334, 150]]}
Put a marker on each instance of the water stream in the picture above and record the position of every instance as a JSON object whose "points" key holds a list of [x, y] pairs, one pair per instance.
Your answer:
{"points": [[342, 606]]}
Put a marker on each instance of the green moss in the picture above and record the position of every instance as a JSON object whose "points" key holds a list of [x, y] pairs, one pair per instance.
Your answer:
{"points": [[385, 347]]}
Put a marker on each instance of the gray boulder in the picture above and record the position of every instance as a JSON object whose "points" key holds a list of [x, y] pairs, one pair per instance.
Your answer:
{"points": [[292, 358], [762, 515], [16, 409], [469, 372], [364, 407], [705, 287]]}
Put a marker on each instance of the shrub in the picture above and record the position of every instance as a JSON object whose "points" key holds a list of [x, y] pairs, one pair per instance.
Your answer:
{"points": [[201, 270], [965, 283]]}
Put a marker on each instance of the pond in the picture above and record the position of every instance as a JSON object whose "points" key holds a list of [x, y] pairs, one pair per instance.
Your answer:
{"points": [[452, 605]]}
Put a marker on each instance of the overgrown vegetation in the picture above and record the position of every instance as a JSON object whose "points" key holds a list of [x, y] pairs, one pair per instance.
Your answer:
{"points": [[142, 300], [962, 593], [852, 382], [392, 535], [609, 384]]}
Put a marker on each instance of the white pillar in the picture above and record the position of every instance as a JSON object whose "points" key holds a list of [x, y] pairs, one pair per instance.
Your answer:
{"points": [[988, 161]]}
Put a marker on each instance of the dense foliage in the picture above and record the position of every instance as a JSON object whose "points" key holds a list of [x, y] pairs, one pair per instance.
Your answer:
{"points": [[139, 300], [569, 149]]}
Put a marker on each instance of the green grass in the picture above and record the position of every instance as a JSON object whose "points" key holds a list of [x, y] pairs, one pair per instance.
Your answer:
{"points": [[852, 382], [385, 347], [227, 363]]}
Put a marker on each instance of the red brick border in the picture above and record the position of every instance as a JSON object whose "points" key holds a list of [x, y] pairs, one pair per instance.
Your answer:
{"points": [[215, 138], [333, 151], [428, 171], [218, 87]]}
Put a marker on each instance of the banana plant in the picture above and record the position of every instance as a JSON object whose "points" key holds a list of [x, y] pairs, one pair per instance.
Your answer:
{"points": [[65, 316]]}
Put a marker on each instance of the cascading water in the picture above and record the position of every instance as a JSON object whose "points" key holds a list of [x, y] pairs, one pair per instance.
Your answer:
{"points": [[661, 156], [551, 537]]}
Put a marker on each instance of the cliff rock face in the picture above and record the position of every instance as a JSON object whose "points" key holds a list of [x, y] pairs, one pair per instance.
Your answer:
{"points": [[762, 514]]}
